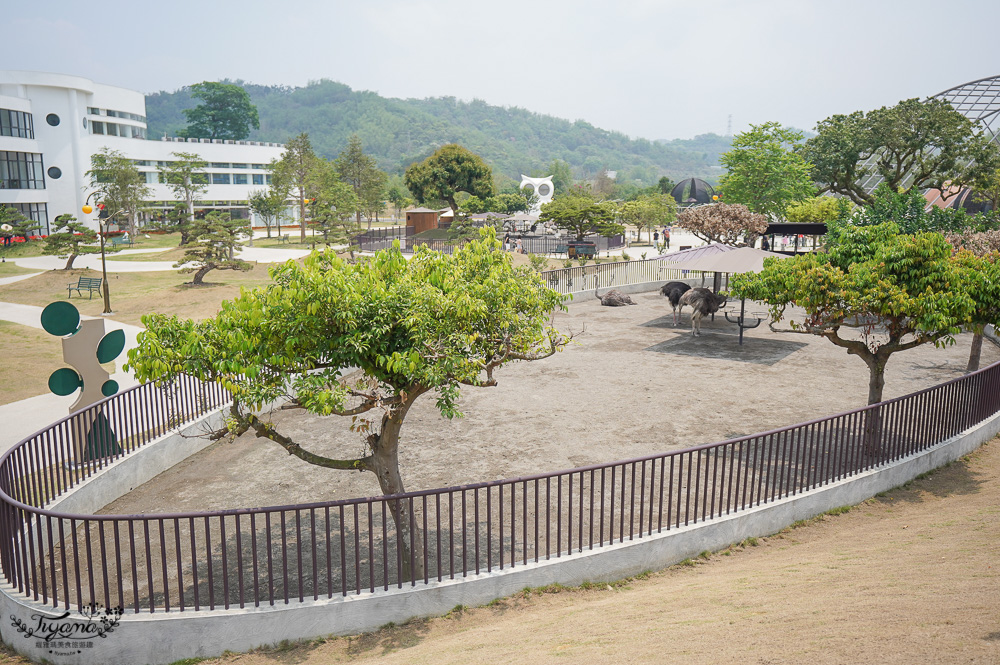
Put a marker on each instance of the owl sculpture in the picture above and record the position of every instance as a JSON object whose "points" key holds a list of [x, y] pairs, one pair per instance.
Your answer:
{"points": [[541, 186]]}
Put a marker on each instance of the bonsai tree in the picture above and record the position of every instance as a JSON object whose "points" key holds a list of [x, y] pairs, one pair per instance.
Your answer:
{"points": [[432, 324], [215, 240], [69, 239], [580, 213]]}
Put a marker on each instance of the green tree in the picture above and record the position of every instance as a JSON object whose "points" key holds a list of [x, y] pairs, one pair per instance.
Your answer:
{"points": [[728, 223], [562, 176], [21, 226], [116, 182], [225, 112], [362, 173], [580, 213], [398, 195], [431, 324], [293, 173], [892, 292], [451, 169], [979, 252], [69, 239], [763, 173], [215, 240], [334, 204], [818, 210], [186, 177], [920, 145], [665, 185], [650, 211], [268, 205]]}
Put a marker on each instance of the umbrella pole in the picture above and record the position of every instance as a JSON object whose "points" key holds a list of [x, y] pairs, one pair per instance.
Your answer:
{"points": [[743, 306]]}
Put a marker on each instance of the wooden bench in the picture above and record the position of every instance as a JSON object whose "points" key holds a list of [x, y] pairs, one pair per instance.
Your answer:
{"points": [[91, 284]]}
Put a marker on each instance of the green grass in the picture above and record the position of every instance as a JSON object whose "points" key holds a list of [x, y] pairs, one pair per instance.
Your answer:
{"points": [[10, 269], [30, 356]]}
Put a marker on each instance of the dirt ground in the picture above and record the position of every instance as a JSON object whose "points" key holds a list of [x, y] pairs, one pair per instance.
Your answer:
{"points": [[632, 384], [908, 577]]}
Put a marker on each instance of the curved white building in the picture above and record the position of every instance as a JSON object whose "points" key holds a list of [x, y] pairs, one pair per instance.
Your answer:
{"points": [[51, 124]]}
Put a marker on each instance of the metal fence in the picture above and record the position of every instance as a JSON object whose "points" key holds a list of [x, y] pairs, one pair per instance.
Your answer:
{"points": [[617, 274], [285, 554], [376, 239]]}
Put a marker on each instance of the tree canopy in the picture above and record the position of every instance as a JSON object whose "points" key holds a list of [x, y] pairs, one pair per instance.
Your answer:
{"points": [[186, 177], [580, 213], [431, 324], [294, 172], [763, 173], [225, 112], [451, 169], [215, 240], [362, 173], [915, 144], [116, 182], [69, 239], [728, 223], [650, 211], [876, 292]]}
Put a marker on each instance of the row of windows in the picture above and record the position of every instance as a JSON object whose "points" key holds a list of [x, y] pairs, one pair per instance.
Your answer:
{"points": [[38, 212], [21, 170], [214, 165], [114, 129], [116, 114], [16, 123], [152, 178]]}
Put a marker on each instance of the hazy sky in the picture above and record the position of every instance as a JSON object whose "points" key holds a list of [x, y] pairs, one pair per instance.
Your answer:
{"points": [[663, 69]]}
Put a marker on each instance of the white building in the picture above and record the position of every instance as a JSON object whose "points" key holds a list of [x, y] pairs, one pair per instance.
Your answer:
{"points": [[51, 124]]}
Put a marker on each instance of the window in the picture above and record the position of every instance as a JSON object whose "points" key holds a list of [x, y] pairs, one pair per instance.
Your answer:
{"points": [[220, 165], [220, 178], [260, 166], [52, 119], [54, 172], [258, 178], [268, 178], [21, 170], [16, 123], [152, 177], [38, 212], [96, 127], [239, 178], [111, 129], [241, 166], [92, 111]]}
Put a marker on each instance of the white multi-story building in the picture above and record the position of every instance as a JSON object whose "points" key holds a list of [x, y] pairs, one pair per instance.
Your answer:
{"points": [[51, 124]]}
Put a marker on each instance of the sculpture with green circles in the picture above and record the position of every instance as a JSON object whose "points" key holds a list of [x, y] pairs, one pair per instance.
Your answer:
{"points": [[85, 347]]}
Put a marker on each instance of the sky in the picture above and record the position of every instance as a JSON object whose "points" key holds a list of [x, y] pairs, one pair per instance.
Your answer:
{"points": [[658, 70]]}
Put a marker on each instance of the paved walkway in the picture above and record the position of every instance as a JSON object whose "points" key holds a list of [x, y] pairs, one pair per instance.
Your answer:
{"points": [[93, 261]]}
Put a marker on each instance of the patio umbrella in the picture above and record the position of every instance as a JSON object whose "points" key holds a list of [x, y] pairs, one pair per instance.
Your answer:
{"points": [[741, 259]]}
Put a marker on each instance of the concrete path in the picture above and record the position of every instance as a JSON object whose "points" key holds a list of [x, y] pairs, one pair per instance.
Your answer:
{"points": [[93, 261], [27, 416], [17, 278]]}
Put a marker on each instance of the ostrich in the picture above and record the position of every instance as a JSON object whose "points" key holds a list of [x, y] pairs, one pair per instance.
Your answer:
{"points": [[673, 291], [614, 298], [703, 302]]}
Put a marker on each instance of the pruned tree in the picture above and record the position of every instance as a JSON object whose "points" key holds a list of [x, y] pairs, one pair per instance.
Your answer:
{"points": [[914, 144], [432, 324], [214, 241], [980, 253], [728, 223], [450, 170], [186, 177], [70, 238], [21, 226], [874, 294], [650, 211], [580, 213]]}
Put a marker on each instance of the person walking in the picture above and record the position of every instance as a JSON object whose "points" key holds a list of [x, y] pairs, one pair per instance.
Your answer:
{"points": [[666, 238], [656, 239]]}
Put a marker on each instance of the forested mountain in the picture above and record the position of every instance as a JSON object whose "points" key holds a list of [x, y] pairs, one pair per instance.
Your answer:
{"points": [[399, 132]]}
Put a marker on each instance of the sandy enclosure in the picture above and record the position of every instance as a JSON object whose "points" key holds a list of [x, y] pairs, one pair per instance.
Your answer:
{"points": [[631, 384]]}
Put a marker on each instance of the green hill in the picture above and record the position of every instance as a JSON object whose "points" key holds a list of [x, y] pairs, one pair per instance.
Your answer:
{"points": [[399, 132]]}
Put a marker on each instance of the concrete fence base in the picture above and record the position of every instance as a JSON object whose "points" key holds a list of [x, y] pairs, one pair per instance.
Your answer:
{"points": [[163, 637]]}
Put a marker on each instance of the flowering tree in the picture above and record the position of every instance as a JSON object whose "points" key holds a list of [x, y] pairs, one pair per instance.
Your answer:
{"points": [[729, 223], [980, 253]]}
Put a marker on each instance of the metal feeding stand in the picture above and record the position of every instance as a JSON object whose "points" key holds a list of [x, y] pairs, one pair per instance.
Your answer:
{"points": [[741, 320]]}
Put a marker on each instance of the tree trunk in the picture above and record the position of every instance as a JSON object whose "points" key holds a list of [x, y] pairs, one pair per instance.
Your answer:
{"points": [[200, 275], [385, 462], [975, 352], [873, 417], [302, 216], [72, 257]]}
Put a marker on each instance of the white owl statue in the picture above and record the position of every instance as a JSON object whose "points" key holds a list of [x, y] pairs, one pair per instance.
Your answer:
{"points": [[541, 186]]}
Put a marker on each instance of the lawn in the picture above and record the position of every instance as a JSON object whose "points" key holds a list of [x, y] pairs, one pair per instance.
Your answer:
{"points": [[9, 269], [137, 293], [30, 355]]}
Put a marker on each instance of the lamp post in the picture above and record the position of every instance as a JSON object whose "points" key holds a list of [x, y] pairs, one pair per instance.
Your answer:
{"points": [[104, 268]]}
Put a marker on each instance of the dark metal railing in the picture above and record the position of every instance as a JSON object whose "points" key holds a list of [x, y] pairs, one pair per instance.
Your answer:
{"points": [[285, 554], [616, 274]]}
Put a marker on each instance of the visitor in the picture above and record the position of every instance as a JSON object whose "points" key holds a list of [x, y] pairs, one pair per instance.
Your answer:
{"points": [[520, 247], [656, 239], [763, 243], [125, 238], [506, 242], [666, 238]]}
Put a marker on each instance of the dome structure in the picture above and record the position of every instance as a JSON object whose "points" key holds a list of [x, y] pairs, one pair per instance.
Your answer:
{"points": [[692, 191]]}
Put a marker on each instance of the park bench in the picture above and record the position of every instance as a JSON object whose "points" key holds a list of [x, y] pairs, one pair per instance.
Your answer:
{"points": [[576, 251], [91, 284], [118, 241], [560, 249], [283, 238]]}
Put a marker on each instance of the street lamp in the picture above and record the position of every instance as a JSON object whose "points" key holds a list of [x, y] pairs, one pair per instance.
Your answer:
{"points": [[104, 268]]}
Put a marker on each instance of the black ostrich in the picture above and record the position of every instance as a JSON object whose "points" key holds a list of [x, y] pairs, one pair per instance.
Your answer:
{"points": [[703, 302], [673, 292]]}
